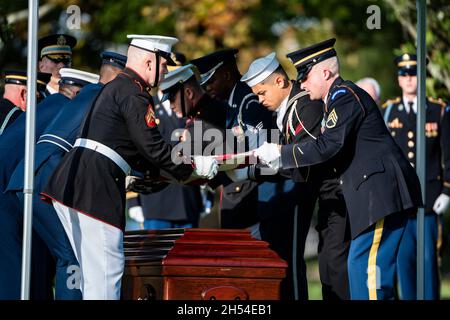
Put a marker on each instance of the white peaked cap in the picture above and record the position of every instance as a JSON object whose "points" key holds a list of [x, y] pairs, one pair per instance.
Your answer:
{"points": [[260, 69], [77, 76], [180, 75], [152, 42]]}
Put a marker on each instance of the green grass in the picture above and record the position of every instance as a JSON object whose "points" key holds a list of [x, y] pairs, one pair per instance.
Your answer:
{"points": [[315, 288]]}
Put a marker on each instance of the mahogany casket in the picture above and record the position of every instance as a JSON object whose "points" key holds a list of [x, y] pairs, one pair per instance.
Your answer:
{"points": [[200, 264]]}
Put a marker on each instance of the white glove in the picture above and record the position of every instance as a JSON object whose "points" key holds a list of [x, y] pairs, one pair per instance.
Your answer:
{"points": [[270, 155], [237, 175], [205, 167], [136, 214], [441, 204]]}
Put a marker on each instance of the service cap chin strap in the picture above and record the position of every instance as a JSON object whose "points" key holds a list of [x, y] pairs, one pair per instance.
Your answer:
{"points": [[182, 102], [156, 82]]}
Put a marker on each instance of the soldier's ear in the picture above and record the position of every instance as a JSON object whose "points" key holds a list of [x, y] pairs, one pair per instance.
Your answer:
{"points": [[189, 93], [23, 94]]}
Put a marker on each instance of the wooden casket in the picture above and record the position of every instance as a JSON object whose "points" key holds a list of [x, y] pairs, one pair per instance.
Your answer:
{"points": [[200, 264]]}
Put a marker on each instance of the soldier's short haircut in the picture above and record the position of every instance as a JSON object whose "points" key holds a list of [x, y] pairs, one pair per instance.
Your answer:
{"points": [[278, 72]]}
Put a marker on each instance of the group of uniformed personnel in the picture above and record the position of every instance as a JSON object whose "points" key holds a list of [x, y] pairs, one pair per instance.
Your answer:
{"points": [[333, 147]]}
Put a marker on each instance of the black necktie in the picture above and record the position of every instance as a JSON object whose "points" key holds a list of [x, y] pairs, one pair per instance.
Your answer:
{"points": [[411, 114]]}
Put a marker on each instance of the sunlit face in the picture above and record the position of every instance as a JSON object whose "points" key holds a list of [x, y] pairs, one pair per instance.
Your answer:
{"points": [[48, 66], [408, 84], [270, 94], [315, 82]]}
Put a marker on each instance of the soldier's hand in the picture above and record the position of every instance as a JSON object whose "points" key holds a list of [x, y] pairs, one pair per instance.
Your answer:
{"points": [[136, 214], [269, 154], [441, 204], [205, 167]]}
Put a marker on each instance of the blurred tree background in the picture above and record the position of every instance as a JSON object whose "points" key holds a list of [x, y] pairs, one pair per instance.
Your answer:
{"points": [[256, 27]]}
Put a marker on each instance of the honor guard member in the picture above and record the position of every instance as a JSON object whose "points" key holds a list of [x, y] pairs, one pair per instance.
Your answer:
{"points": [[56, 140], [15, 96], [176, 206], [299, 119], [400, 117], [118, 134], [55, 52], [379, 185], [188, 99], [245, 118], [12, 149]]}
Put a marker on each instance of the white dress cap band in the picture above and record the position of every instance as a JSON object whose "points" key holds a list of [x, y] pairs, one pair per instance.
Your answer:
{"points": [[78, 76], [153, 43]]}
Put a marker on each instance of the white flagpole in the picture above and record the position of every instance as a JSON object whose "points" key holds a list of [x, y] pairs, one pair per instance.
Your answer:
{"points": [[421, 143], [29, 146]]}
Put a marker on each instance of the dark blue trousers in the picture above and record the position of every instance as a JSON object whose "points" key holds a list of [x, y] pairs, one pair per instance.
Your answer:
{"points": [[372, 259], [407, 263], [11, 224]]}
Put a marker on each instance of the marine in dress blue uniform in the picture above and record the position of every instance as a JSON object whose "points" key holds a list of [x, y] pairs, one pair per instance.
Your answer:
{"points": [[12, 146], [176, 206], [400, 117], [245, 117], [88, 186], [379, 185]]}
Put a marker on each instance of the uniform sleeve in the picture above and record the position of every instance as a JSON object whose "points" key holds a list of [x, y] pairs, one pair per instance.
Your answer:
{"points": [[145, 135], [344, 116], [311, 115], [445, 147]]}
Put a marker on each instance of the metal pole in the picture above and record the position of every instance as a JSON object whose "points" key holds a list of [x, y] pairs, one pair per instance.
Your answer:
{"points": [[29, 146], [420, 152]]}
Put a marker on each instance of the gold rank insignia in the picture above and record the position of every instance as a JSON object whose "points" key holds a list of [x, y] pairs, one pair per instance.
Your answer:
{"points": [[150, 117], [395, 124], [332, 119], [61, 41]]}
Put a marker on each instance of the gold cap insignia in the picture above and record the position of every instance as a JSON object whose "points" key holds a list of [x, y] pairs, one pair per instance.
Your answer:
{"points": [[61, 41]]}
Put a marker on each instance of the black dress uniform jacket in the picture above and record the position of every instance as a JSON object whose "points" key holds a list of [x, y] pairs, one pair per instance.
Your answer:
{"points": [[177, 203], [375, 177], [8, 113], [304, 124], [437, 132], [122, 118]]}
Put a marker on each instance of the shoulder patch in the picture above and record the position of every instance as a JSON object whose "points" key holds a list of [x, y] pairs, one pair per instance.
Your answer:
{"points": [[333, 96], [390, 101], [332, 119]]}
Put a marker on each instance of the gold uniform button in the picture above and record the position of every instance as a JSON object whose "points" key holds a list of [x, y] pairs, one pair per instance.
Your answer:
{"points": [[393, 133], [410, 155], [410, 134], [237, 189], [410, 143]]}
